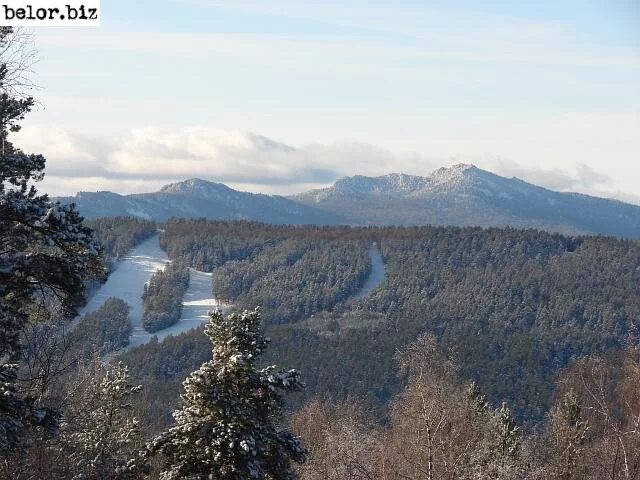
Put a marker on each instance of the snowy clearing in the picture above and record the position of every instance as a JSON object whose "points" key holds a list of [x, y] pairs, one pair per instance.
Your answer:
{"points": [[127, 279], [127, 282], [196, 304], [376, 276]]}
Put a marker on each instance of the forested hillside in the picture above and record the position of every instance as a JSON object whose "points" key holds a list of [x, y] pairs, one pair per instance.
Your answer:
{"points": [[512, 306], [249, 260], [103, 331], [118, 235], [162, 297], [348, 353]]}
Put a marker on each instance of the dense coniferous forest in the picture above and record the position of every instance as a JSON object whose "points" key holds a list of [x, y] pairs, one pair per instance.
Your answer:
{"points": [[505, 301], [118, 235], [162, 297], [303, 288], [249, 259], [104, 331]]}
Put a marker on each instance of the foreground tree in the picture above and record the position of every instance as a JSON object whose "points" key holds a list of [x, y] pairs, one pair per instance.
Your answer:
{"points": [[566, 437], [595, 426], [100, 432], [227, 428], [45, 251]]}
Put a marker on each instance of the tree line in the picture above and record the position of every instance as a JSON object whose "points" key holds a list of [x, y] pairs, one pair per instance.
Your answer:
{"points": [[518, 305], [118, 235], [162, 297]]}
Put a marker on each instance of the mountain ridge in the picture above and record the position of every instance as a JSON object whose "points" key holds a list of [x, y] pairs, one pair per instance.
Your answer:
{"points": [[466, 195], [197, 198], [462, 195]]}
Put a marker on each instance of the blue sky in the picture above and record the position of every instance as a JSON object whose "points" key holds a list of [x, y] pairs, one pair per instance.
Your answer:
{"points": [[279, 96]]}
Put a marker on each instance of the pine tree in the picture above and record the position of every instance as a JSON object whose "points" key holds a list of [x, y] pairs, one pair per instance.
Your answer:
{"points": [[17, 411], [498, 455], [45, 250], [101, 432], [507, 433], [227, 428], [567, 437]]}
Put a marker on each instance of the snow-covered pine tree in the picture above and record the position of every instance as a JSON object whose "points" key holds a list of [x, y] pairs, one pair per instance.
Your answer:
{"points": [[507, 433], [497, 455], [100, 431], [45, 250], [227, 428], [566, 439], [502, 448]]}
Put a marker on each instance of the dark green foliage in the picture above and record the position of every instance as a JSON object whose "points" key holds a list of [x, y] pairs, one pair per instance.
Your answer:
{"points": [[118, 235], [103, 331], [236, 277], [207, 245], [227, 428], [303, 288], [515, 306], [250, 259], [45, 251], [162, 367], [162, 298]]}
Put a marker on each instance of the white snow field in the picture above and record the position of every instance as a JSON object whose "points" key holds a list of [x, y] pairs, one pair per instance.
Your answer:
{"points": [[376, 276], [127, 279], [198, 301], [127, 282]]}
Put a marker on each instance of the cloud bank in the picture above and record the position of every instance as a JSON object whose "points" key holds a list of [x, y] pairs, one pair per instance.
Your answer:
{"points": [[150, 157], [144, 159]]}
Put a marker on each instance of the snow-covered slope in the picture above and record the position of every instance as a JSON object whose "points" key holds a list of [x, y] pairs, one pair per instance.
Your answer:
{"points": [[127, 279], [376, 276], [465, 195], [198, 301], [127, 282]]}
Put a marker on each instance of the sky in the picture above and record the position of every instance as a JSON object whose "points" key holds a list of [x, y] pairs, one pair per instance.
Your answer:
{"points": [[285, 95]]}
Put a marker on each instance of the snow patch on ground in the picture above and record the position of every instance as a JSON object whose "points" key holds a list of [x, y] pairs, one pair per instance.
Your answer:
{"points": [[127, 282], [376, 276], [198, 301], [127, 279]]}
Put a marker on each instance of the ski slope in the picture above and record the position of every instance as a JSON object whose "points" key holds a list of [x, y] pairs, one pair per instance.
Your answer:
{"points": [[376, 276], [127, 282], [198, 301], [128, 278]]}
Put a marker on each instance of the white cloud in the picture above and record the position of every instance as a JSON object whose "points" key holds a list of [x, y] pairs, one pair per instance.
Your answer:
{"points": [[152, 156], [144, 159]]}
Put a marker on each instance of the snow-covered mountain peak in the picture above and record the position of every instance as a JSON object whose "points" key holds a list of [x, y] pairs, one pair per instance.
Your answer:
{"points": [[195, 187], [454, 174], [401, 182], [398, 183]]}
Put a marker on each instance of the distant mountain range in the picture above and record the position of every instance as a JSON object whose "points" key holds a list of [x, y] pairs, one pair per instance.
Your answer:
{"points": [[197, 198], [466, 195], [460, 195]]}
